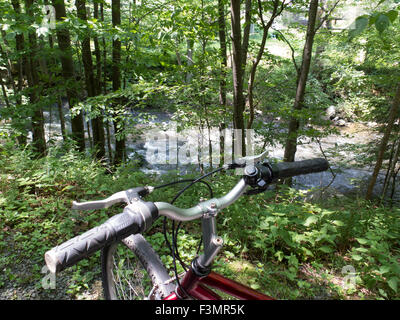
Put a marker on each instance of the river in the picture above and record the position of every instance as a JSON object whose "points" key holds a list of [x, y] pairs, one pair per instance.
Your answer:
{"points": [[161, 136]]}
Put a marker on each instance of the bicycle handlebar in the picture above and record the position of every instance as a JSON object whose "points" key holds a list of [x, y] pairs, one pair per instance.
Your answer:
{"points": [[284, 170], [135, 218], [138, 216]]}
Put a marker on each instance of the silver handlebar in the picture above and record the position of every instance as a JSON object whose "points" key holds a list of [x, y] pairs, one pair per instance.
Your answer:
{"points": [[178, 214], [167, 209], [203, 208]]}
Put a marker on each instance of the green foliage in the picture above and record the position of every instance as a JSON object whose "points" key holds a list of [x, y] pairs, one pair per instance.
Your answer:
{"points": [[170, 59], [271, 237], [381, 21]]}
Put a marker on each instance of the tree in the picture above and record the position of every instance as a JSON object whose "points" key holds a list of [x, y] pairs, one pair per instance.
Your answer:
{"points": [[116, 84], [91, 84], [237, 73], [277, 9], [38, 136], [21, 62], [381, 21], [68, 73], [223, 74], [393, 115], [294, 123]]}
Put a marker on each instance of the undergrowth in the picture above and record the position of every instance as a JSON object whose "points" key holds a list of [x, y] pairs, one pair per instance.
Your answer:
{"points": [[275, 242]]}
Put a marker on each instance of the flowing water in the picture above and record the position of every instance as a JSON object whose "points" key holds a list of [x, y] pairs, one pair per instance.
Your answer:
{"points": [[161, 148]]}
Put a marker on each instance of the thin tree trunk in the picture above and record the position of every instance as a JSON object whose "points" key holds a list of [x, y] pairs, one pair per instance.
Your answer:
{"points": [[237, 70], [91, 87], [109, 141], [97, 51], [222, 81], [388, 171], [266, 27], [9, 73], [116, 79], [294, 123], [61, 117], [189, 59], [394, 183], [393, 115], [5, 96], [246, 34], [60, 96], [38, 135], [5, 53], [21, 62], [104, 85], [104, 82], [64, 44], [393, 174]]}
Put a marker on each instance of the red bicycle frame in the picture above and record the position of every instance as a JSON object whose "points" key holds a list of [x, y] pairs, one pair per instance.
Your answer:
{"points": [[199, 288]]}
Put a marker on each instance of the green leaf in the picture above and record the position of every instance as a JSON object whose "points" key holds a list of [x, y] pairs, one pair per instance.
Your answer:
{"points": [[338, 223], [362, 241], [392, 283], [356, 257], [255, 286], [382, 23], [384, 269], [359, 26], [392, 15], [326, 249], [383, 293], [310, 220], [67, 188], [279, 255], [372, 18], [307, 252]]}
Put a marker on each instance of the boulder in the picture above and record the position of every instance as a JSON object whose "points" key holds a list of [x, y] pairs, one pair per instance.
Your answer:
{"points": [[330, 112], [341, 123]]}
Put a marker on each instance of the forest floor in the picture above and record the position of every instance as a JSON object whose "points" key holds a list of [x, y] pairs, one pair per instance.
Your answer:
{"points": [[21, 259]]}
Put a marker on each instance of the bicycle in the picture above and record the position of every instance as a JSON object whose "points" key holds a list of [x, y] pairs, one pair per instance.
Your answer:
{"points": [[138, 271]]}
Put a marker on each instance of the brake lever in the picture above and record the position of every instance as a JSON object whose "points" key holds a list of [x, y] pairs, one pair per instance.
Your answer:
{"points": [[126, 196], [244, 161]]}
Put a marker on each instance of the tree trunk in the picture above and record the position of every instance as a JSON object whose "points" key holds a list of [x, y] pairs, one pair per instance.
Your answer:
{"points": [[246, 35], [116, 79], [294, 123], [189, 59], [104, 82], [64, 44], [393, 115], [97, 51], [38, 135], [237, 70], [97, 122], [222, 81], [21, 62], [252, 77], [392, 173], [62, 121], [3, 88]]}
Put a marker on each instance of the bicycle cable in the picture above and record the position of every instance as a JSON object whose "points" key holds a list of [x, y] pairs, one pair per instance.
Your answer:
{"points": [[174, 247], [174, 237]]}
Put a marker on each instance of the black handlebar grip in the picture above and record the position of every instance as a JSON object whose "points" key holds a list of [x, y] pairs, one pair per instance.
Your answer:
{"points": [[284, 170], [82, 246]]}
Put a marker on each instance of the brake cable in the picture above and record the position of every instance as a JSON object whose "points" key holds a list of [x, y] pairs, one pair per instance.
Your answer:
{"points": [[174, 248]]}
